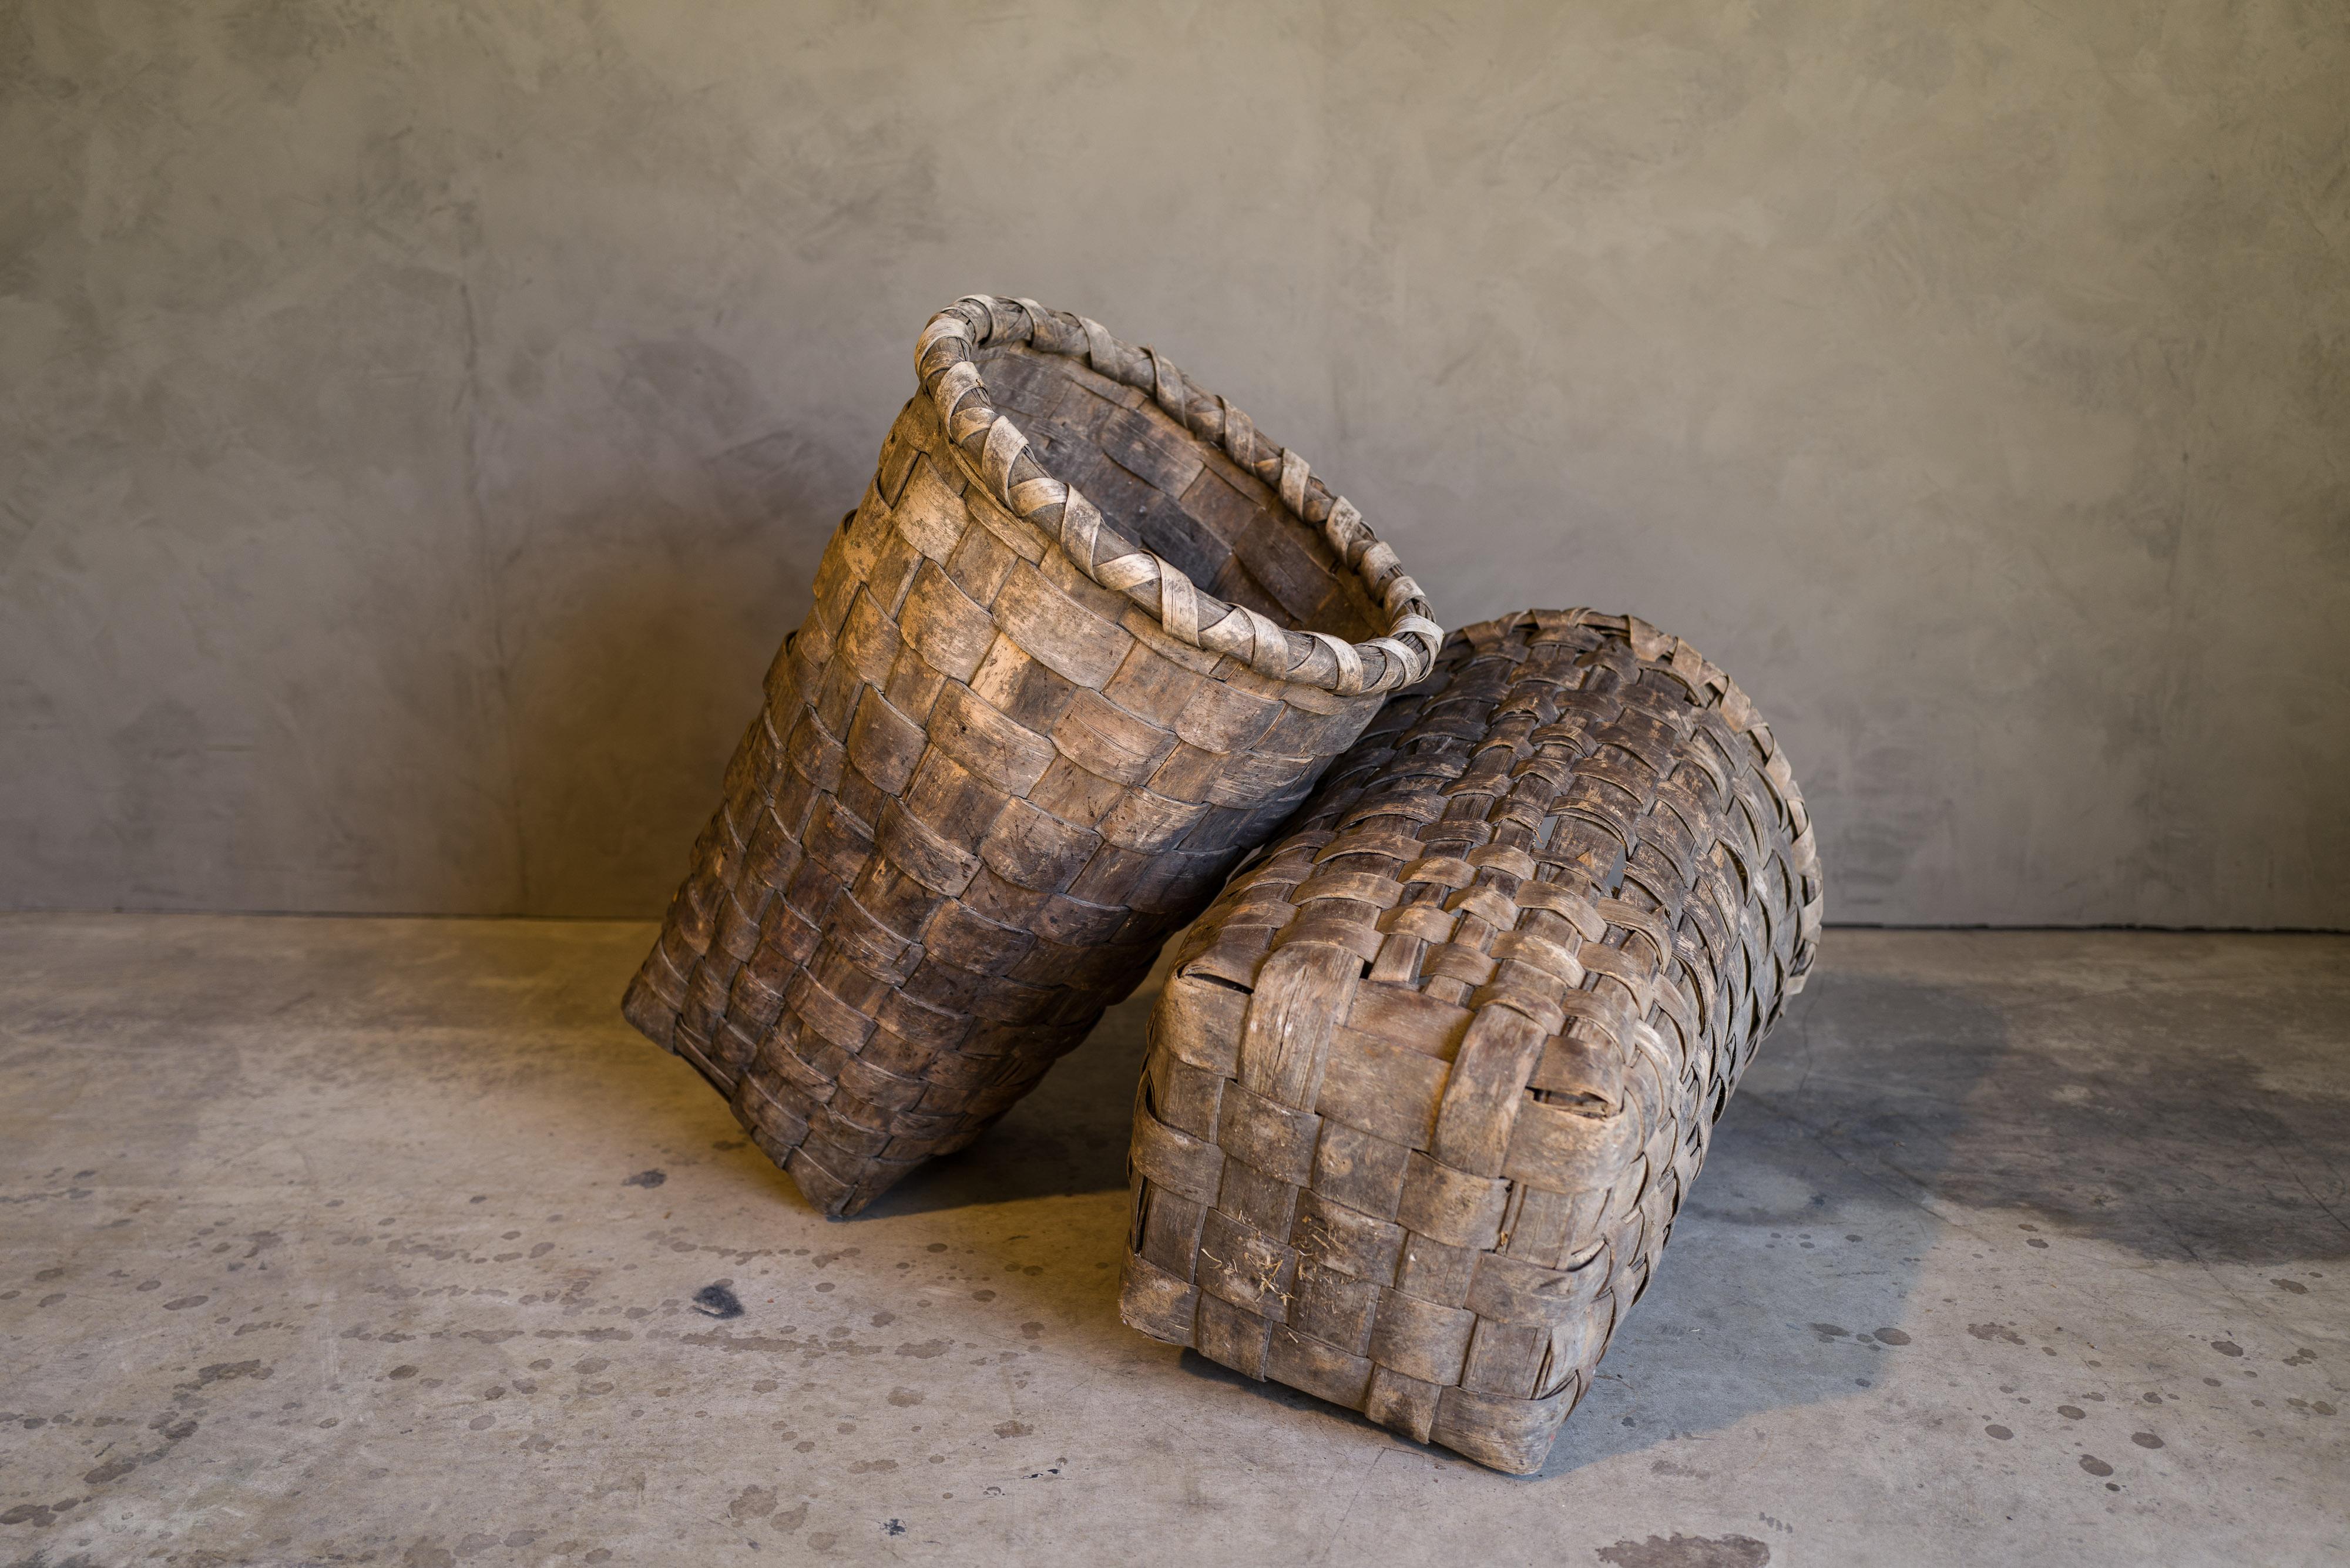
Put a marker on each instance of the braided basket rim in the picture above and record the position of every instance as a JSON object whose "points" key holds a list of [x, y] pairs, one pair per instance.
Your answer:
{"points": [[995, 454]]}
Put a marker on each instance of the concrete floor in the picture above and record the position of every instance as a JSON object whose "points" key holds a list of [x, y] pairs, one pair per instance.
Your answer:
{"points": [[379, 1241]]}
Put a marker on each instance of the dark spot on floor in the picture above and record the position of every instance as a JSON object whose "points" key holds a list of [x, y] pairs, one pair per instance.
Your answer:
{"points": [[647, 1178], [893, 1527], [2227, 1347], [1678, 1551], [717, 1301], [2295, 1286], [2146, 1440], [222, 1371], [2096, 1466], [1829, 1332], [1996, 1430], [1986, 1331], [1892, 1336], [1013, 1429]]}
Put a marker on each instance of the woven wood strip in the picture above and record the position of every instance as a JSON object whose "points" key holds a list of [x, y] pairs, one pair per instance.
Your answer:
{"points": [[1011, 750], [1432, 1077], [1002, 458]]}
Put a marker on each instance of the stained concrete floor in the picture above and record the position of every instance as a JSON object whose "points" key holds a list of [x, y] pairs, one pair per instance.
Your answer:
{"points": [[383, 1240]]}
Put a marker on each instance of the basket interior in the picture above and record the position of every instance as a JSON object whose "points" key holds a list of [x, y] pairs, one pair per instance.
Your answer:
{"points": [[1175, 494]]}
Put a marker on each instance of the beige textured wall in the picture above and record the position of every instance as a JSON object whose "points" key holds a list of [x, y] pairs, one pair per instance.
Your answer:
{"points": [[418, 420]]}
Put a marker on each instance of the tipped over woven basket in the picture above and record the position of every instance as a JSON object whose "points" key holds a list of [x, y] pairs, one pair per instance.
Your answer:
{"points": [[1430, 1080], [1059, 675]]}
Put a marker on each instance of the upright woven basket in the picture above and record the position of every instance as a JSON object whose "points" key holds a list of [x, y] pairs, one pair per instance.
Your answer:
{"points": [[1430, 1079], [1011, 748]]}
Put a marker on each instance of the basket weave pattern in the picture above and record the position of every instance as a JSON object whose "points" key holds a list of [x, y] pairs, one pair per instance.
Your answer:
{"points": [[1431, 1079], [1011, 749]]}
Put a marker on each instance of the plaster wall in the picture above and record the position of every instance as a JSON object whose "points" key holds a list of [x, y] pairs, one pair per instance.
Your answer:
{"points": [[419, 424]]}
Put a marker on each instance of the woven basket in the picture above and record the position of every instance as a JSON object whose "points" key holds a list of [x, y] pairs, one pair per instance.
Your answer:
{"points": [[1430, 1079], [1011, 748]]}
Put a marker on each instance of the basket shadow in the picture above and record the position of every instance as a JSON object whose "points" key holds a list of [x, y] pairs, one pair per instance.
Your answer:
{"points": [[1786, 1279], [1888, 1112], [1785, 1240], [1069, 1135]]}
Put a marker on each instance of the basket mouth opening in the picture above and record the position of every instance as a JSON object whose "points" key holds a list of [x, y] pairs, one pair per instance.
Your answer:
{"points": [[1177, 495], [1176, 460]]}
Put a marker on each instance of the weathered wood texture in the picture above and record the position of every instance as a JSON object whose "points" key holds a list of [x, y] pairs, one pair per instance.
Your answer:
{"points": [[1010, 750], [1430, 1079]]}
